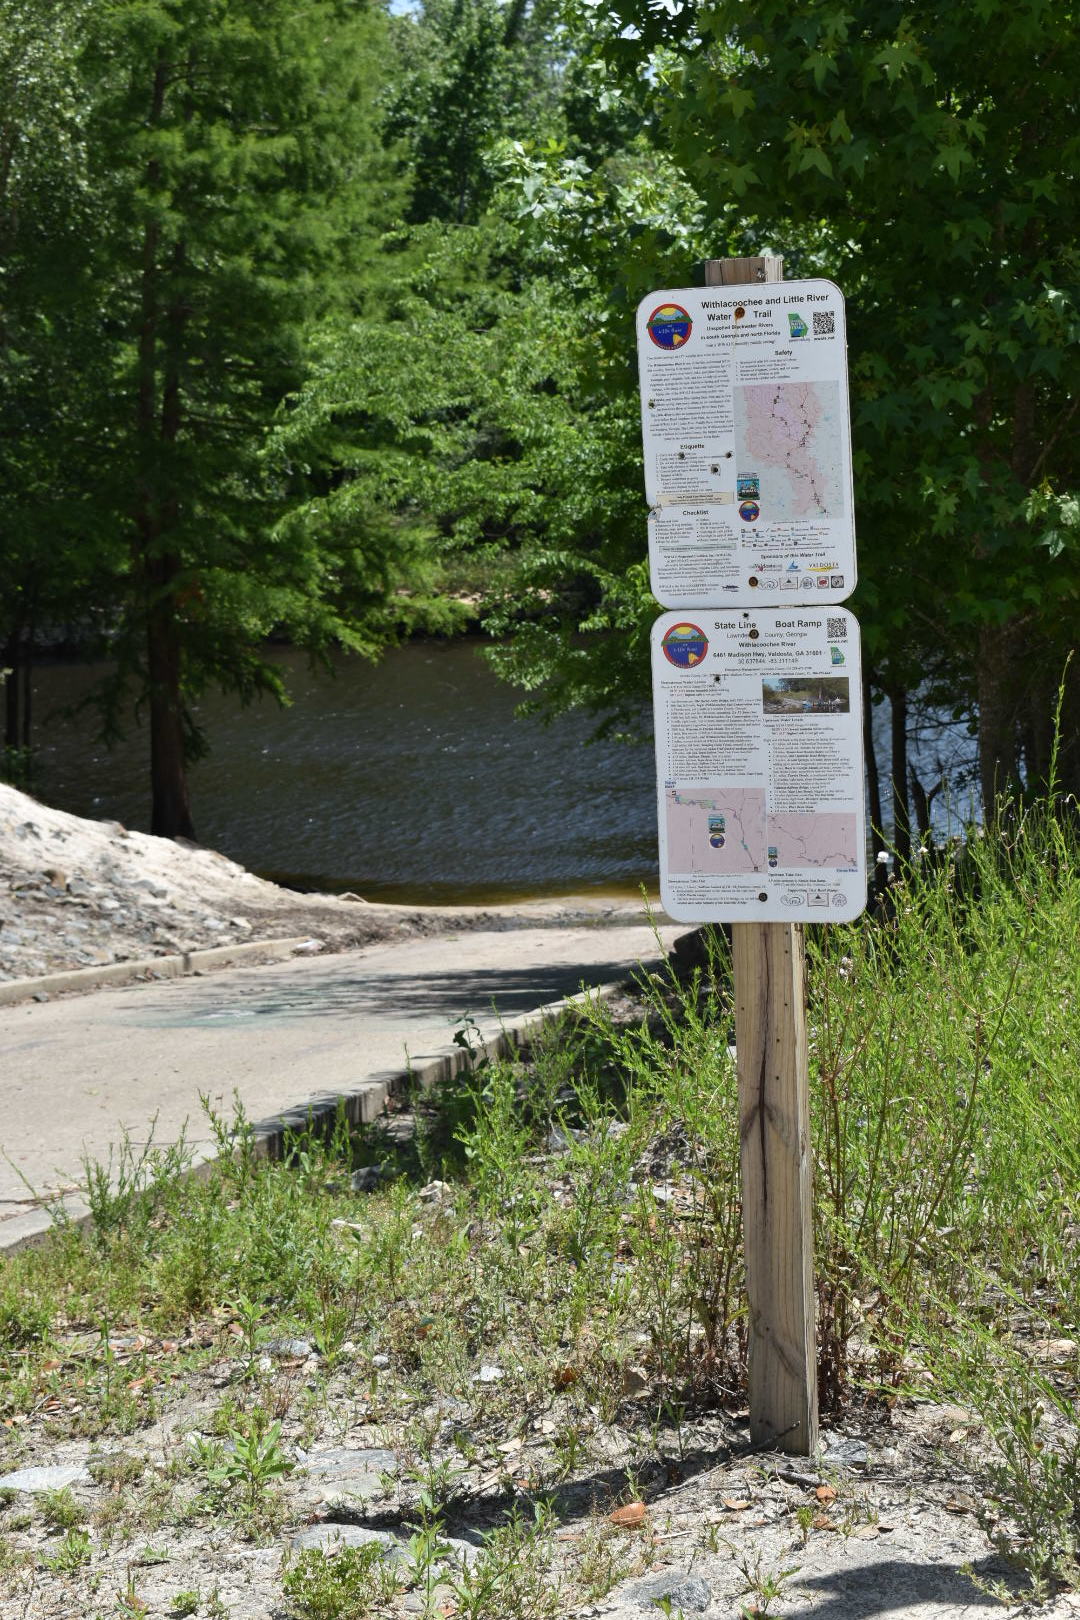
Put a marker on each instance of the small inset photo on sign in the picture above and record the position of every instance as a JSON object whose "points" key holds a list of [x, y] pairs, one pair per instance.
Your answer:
{"points": [[805, 694]]}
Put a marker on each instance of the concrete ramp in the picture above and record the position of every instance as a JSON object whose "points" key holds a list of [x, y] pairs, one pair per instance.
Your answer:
{"points": [[287, 1039]]}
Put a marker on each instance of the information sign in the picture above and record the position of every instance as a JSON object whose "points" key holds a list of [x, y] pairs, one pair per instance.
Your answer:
{"points": [[747, 438], [759, 765]]}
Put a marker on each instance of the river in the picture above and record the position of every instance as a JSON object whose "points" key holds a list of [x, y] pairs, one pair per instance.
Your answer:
{"points": [[410, 780]]}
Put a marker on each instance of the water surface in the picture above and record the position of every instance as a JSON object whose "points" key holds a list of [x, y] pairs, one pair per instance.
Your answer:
{"points": [[410, 780]]}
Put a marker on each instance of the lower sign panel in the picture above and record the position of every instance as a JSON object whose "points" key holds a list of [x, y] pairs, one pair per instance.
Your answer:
{"points": [[759, 765]]}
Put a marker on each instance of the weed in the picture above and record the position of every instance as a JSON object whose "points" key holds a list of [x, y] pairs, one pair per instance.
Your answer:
{"points": [[249, 1316], [15, 1562], [26, 1318], [601, 1561], [1032, 1418], [149, 1556], [126, 1190], [350, 1583], [763, 1585], [71, 1555], [512, 1575], [185, 1604], [246, 1465], [332, 1306], [116, 1469], [129, 1605], [60, 1510]]}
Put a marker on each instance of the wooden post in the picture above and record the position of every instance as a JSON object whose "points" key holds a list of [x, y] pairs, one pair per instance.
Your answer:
{"points": [[769, 967]]}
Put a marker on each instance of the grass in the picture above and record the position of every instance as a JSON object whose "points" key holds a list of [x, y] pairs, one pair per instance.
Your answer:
{"points": [[557, 1249]]}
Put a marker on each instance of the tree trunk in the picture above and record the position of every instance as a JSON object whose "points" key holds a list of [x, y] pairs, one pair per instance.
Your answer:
{"points": [[9, 660], [171, 806], [26, 681], [898, 723], [873, 785], [1001, 654], [155, 517]]}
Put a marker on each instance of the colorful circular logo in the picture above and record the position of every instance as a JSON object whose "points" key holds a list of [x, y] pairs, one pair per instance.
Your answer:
{"points": [[685, 645], [669, 326], [749, 511]]}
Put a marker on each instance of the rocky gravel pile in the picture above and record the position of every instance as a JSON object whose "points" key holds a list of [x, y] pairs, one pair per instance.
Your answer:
{"points": [[84, 894], [77, 893]]}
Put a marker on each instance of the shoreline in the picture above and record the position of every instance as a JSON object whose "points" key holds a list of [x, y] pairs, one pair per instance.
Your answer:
{"points": [[95, 900]]}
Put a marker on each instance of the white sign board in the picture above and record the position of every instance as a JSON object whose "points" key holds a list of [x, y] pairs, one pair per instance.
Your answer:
{"points": [[759, 765], [747, 437]]}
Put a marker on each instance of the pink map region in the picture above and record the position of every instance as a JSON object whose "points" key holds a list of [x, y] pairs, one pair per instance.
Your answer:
{"points": [[718, 830], [786, 429], [828, 838]]}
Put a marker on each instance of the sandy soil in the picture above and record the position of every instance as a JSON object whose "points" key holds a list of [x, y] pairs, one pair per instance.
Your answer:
{"points": [[77, 894]]}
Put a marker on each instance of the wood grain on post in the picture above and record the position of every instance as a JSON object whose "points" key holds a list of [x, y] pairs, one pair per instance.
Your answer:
{"points": [[769, 965]]}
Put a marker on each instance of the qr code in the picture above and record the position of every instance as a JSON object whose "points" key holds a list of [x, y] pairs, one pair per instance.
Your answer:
{"points": [[824, 323], [836, 629]]}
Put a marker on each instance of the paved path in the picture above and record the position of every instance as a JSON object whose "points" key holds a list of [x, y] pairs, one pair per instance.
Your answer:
{"points": [[77, 1073]]}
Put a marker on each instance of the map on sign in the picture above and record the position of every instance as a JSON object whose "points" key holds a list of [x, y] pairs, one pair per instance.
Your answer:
{"points": [[791, 433], [824, 839], [759, 764], [716, 829], [728, 830], [747, 441]]}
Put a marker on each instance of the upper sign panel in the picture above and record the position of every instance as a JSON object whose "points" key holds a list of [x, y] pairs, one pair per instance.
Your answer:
{"points": [[746, 428]]}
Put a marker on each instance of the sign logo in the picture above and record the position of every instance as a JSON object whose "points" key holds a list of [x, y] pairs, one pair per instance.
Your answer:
{"points": [[685, 645], [748, 487], [749, 511], [836, 655], [797, 325], [669, 326]]}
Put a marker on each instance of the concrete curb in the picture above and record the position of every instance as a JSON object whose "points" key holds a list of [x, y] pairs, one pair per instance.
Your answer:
{"points": [[153, 967], [363, 1104]]}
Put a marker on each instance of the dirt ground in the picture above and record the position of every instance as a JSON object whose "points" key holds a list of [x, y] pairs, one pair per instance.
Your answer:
{"points": [[892, 1520]]}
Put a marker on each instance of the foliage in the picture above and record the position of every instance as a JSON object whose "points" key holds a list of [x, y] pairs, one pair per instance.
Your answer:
{"points": [[346, 1582], [227, 150], [51, 349], [214, 184], [927, 161], [466, 71]]}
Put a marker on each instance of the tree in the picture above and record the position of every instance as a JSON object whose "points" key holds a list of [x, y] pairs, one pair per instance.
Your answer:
{"points": [[240, 182], [51, 353], [928, 159], [467, 72]]}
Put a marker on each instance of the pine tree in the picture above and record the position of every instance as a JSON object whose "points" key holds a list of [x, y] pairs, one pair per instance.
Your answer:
{"points": [[240, 179], [50, 349]]}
